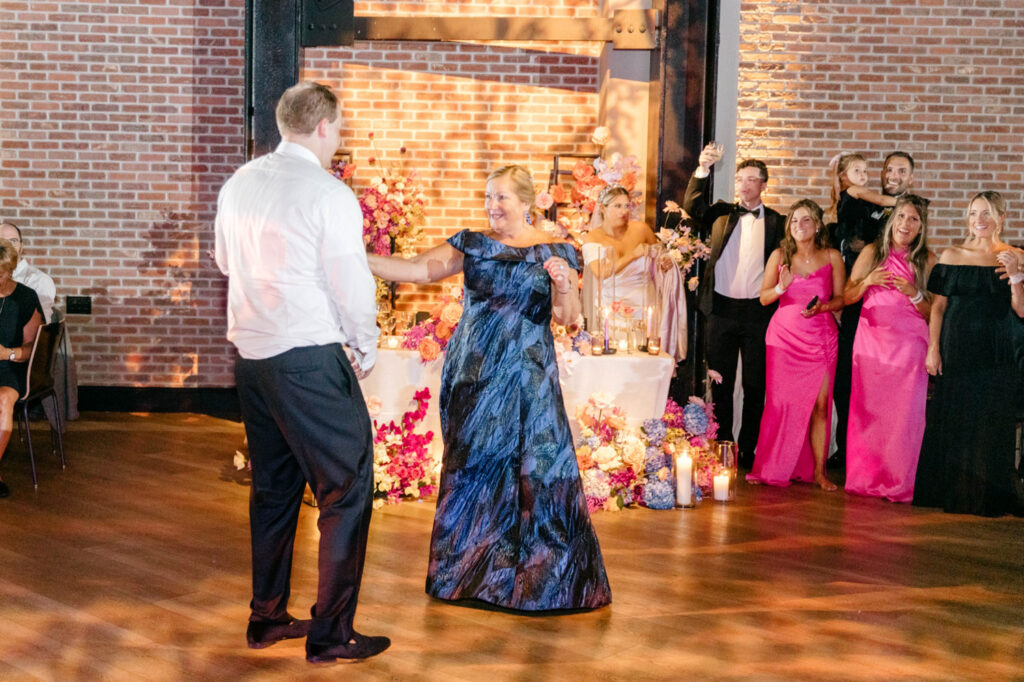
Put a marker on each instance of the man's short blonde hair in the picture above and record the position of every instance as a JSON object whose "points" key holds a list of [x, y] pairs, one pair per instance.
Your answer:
{"points": [[303, 106]]}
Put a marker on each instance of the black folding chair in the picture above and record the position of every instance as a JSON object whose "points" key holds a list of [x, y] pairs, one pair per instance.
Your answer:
{"points": [[39, 385]]}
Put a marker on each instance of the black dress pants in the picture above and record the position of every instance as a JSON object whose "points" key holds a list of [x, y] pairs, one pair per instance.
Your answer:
{"points": [[736, 329], [306, 421]]}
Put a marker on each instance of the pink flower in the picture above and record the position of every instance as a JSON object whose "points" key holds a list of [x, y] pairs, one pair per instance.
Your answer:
{"points": [[544, 201], [714, 376]]}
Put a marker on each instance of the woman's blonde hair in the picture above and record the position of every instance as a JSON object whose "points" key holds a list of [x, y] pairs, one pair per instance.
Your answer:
{"points": [[917, 254], [522, 187], [996, 204]]}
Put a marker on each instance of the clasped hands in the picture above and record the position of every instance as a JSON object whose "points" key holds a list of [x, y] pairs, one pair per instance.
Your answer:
{"points": [[1009, 263], [885, 279]]}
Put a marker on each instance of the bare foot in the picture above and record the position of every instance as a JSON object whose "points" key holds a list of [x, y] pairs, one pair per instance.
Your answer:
{"points": [[825, 484]]}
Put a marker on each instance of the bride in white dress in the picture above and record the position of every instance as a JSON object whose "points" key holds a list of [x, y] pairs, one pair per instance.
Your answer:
{"points": [[626, 252]]}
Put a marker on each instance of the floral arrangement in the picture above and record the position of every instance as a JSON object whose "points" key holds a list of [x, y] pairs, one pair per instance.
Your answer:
{"points": [[681, 245], [693, 425], [393, 207], [431, 336], [589, 180], [611, 457], [572, 342], [402, 464]]}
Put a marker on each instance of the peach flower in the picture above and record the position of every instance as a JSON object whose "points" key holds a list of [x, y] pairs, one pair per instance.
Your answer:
{"points": [[429, 349], [451, 313], [443, 330]]}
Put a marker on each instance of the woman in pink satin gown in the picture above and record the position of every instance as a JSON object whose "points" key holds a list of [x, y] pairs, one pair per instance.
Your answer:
{"points": [[889, 381], [806, 278]]}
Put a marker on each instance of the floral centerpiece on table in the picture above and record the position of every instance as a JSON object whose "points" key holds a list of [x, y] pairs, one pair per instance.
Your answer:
{"points": [[430, 337], [610, 456], [681, 245], [402, 465]]}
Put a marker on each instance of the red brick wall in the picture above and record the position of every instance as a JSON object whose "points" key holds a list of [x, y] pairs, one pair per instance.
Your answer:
{"points": [[120, 120], [460, 110], [939, 79]]}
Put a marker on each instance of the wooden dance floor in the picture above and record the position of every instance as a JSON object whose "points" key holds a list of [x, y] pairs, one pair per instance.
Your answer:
{"points": [[134, 564]]}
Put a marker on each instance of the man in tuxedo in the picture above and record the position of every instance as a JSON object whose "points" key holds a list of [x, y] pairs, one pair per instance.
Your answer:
{"points": [[302, 314], [897, 178], [742, 236]]}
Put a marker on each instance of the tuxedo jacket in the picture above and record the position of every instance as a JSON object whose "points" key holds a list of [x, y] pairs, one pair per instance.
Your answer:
{"points": [[718, 221]]}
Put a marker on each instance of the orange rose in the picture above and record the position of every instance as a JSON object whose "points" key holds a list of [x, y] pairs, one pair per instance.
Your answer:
{"points": [[442, 330], [429, 349], [558, 194]]}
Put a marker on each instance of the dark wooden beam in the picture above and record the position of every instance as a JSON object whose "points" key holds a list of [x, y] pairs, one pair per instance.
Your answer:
{"points": [[272, 66], [689, 63]]}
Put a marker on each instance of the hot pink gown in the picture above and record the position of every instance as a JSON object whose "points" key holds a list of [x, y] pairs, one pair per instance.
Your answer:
{"points": [[888, 392], [800, 353]]}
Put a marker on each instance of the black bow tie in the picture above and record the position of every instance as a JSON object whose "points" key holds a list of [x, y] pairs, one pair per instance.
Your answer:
{"points": [[740, 210]]}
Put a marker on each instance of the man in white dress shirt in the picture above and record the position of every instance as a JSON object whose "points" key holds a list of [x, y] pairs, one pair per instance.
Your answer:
{"points": [[302, 314], [742, 236], [29, 275]]}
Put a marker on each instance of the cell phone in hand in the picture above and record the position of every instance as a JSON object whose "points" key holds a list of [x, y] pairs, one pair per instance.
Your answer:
{"points": [[813, 302]]}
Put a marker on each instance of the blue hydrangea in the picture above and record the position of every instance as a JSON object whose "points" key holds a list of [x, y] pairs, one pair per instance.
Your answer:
{"points": [[695, 420], [655, 431], [659, 494], [654, 459]]}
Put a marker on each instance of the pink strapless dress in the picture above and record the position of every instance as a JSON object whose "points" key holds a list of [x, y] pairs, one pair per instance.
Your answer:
{"points": [[800, 353], [888, 392]]}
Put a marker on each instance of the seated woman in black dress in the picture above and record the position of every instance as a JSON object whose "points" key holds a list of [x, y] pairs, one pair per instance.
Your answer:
{"points": [[20, 317], [511, 526], [966, 464]]}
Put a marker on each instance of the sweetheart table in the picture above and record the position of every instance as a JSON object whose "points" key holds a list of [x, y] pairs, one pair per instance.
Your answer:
{"points": [[638, 383]]}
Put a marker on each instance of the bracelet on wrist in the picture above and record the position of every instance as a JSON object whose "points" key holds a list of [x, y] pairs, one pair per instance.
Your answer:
{"points": [[1017, 279], [779, 289], [917, 298]]}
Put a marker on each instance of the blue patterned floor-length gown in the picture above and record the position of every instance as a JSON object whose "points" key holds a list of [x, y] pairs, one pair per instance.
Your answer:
{"points": [[511, 526]]}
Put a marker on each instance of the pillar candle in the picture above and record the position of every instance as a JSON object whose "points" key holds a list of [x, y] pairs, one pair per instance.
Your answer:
{"points": [[722, 486], [684, 480]]}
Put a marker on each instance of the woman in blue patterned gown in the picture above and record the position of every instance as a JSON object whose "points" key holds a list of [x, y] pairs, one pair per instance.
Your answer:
{"points": [[511, 526]]}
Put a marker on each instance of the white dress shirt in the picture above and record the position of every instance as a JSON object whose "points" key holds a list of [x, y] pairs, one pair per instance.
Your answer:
{"points": [[739, 270], [40, 282], [290, 239]]}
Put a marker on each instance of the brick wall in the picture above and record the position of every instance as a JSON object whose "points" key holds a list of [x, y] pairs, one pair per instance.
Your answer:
{"points": [[119, 121], [460, 110], [939, 79]]}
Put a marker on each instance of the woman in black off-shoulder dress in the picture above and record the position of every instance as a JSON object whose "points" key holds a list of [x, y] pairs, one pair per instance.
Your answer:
{"points": [[967, 457]]}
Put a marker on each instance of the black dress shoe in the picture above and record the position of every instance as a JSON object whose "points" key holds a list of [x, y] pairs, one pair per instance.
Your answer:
{"points": [[361, 647], [4, 490], [263, 634]]}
